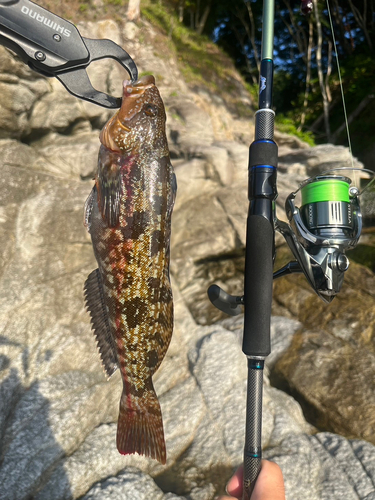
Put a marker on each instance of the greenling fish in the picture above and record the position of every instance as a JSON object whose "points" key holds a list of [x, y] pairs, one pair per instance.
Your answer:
{"points": [[129, 297]]}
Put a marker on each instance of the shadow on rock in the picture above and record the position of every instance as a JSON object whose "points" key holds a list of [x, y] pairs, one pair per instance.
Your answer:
{"points": [[29, 451], [179, 481]]}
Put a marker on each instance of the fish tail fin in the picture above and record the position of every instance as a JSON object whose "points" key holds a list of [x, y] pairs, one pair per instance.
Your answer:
{"points": [[140, 429]]}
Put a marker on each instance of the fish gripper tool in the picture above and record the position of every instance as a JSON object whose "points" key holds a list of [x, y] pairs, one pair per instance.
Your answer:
{"points": [[54, 47]]}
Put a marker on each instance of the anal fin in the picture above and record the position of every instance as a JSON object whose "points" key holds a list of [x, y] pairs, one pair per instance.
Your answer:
{"points": [[94, 299]]}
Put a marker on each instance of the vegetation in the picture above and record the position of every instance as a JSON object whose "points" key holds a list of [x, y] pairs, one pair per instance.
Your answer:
{"points": [[307, 95], [287, 125], [306, 58], [197, 52]]}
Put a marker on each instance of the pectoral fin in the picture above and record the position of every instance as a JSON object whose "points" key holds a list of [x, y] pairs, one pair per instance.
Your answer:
{"points": [[94, 298], [109, 185], [88, 209]]}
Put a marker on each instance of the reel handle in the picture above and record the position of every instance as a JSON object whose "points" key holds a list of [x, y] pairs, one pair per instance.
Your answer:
{"points": [[228, 304]]}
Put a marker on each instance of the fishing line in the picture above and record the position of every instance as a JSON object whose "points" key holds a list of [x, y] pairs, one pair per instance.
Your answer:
{"points": [[341, 86]]}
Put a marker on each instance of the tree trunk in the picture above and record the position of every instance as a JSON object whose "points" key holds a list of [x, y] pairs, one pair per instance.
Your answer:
{"points": [[314, 127], [134, 10], [250, 32], [203, 19], [362, 21], [181, 4], [249, 68], [308, 75], [329, 71], [358, 110], [338, 15], [196, 17], [295, 30], [320, 72]]}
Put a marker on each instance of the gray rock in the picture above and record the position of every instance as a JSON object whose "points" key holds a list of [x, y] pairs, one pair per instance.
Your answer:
{"points": [[15, 154], [235, 204], [325, 466], [282, 333], [195, 129], [218, 166], [355, 464], [131, 484], [20, 88], [190, 238], [130, 30], [289, 141], [239, 157], [368, 206], [320, 367], [210, 361], [75, 156], [192, 178], [323, 372], [219, 369], [56, 111], [318, 159]]}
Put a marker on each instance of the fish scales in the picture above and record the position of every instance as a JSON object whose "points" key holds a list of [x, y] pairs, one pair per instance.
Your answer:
{"points": [[129, 297]]}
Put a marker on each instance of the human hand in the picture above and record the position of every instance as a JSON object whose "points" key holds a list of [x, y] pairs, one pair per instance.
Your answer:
{"points": [[268, 486]]}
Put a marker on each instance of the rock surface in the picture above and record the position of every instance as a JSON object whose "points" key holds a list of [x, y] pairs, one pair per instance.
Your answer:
{"points": [[131, 484], [57, 411]]}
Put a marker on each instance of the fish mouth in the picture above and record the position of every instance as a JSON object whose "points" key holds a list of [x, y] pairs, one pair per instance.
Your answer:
{"points": [[132, 102]]}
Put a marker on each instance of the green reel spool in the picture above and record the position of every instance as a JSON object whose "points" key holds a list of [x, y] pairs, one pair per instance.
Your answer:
{"points": [[326, 190], [326, 209]]}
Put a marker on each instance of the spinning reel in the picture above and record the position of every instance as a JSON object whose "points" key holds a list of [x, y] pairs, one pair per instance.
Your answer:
{"points": [[328, 222], [325, 223]]}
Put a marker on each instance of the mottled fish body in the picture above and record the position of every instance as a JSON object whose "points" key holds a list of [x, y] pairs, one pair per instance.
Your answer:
{"points": [[129, 297]]}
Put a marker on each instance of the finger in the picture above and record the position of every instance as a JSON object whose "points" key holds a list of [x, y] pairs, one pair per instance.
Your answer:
{"points": [[270, 483], [235, 485]]}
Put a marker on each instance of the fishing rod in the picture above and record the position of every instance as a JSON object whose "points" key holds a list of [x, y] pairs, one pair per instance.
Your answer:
{"points": [[259, 256], [328, 223]]}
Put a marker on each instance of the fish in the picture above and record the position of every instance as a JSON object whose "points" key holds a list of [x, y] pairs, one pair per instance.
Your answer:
{"points": [[129, 297]]}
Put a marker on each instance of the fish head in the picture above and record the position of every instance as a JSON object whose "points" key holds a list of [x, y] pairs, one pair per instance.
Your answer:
{"points": [[140, 122]]}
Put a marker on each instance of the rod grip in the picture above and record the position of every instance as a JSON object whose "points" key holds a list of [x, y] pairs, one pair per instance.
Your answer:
{"points": [[258, 286]]}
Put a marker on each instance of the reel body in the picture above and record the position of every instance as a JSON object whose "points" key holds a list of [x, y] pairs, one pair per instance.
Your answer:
{"points": [[327, 223]]}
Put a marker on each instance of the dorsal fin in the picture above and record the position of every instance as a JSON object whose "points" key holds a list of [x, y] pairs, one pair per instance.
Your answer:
{"points": [[94, 299]]}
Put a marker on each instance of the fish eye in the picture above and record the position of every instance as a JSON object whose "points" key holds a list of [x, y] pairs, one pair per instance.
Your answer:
{"points": [[150, 110]]}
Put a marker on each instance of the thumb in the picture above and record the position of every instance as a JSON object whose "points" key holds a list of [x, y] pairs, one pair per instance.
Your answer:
{"points": [[268, 486], [270, 483]]}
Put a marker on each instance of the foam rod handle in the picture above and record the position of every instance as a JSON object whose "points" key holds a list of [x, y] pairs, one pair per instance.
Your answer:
{"points": [[258, 286]]}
